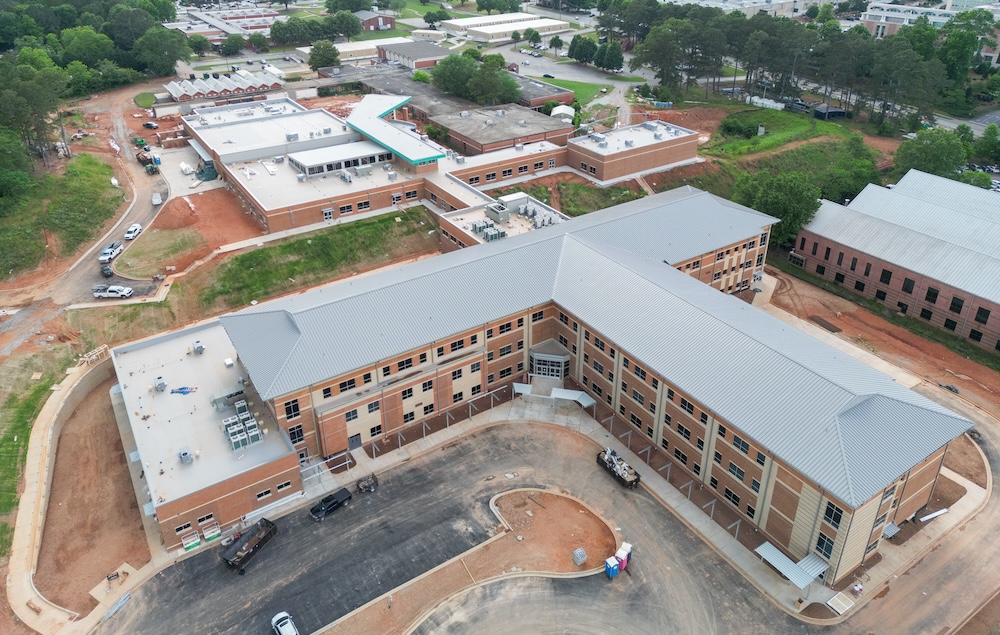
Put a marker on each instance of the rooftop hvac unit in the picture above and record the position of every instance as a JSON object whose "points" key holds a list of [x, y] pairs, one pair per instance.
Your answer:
{"points": [[327, 130], [522, 123], [519, 147], [629, 143], [363, 170], [657, 135], [344, 127], [198, 347], [292, 136], [489, 122], [279, 159], [345, 176], [649, 125], [464, 113], [185, 456], [301, 177], [424, 137], [386, 166], [597, 136], [392, 176], [460, 160], [311, 134], [160, 384], [602, 144], [522, 209], [500, 113]]}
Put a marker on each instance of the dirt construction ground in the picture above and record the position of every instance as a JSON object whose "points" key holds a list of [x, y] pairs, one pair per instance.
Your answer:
{"points": [[93, 524]]}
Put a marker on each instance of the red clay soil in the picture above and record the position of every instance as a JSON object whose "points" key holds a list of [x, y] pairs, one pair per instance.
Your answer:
{"points": [[340, 105], [93, 523], [216, 214], [703, 120], [675, 177]]}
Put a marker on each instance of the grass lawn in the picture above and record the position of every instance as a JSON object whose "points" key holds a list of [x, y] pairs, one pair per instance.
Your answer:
{"points": [[300, 262], [401, 30], [584, 92], [635, 79], [70, 208], [580, 198], [539, 192], [155, 248], [781, 128], [145, 100], [776, 258], [719, 182]]}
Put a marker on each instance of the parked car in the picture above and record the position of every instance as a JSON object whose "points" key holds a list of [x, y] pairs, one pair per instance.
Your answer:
{"points": [[133, 231], [107, 271], [152, 125], [549, 76], [283, 625], [104, 291], [110, 252], [949, 388], [330, 504]]}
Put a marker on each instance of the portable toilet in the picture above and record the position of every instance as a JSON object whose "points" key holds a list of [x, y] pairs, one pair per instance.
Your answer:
{"points": [[627, 548], [611, 567], [622, 557]]}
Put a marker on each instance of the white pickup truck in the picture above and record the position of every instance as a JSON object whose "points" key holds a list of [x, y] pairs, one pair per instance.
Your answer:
{"points": [[112, 291]]}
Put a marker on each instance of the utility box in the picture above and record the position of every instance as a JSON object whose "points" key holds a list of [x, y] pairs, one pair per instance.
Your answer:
{"points": [[579, 556]]}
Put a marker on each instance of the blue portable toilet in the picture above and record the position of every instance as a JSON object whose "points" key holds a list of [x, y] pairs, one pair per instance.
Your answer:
{"points": [[611, 567]]}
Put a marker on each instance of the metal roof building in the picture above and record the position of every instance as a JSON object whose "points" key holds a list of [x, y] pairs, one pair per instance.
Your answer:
{"points": [[849, 428]]}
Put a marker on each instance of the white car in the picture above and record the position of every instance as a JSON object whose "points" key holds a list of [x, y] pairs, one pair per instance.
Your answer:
{"points": [[133, 232], [110, 252], [283, 625]]}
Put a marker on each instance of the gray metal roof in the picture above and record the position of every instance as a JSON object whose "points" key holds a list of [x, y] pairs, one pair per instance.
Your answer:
{"points": [[485, 126], [949, 236], [417, 50], [850, 428]]}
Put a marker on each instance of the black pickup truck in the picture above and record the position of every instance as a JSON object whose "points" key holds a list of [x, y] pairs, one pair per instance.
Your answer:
{"points": [[242, 551]]}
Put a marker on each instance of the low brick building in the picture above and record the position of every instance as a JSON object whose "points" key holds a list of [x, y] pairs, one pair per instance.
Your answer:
{"points": [[371, 21], [505, 126]]}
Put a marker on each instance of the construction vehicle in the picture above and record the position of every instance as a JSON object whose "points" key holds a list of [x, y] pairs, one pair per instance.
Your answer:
{"points": [[139, 142], [144, 157], [246, 546], [152, 168], [626, 474]]}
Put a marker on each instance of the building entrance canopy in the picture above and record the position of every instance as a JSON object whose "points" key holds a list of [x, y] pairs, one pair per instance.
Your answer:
{"points": [[801, 574]]}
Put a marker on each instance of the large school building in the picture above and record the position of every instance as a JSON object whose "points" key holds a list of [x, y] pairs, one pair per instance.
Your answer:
{"points": [[814, 449]]}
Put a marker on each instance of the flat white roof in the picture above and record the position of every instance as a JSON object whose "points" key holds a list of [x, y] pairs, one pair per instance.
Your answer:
{"points": [[347, 49], [319, 156], [497, 156], [215, 115], [627, 139], [366, 118], [271, 135], [467, 23], [183, 417], [519, 26]]}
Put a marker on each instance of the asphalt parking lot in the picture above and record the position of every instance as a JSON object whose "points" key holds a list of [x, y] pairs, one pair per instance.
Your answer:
{"points": [[988, 118], [435, 507]]}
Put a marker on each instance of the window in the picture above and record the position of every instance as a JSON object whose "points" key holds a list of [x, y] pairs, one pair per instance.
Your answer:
{"points": [[505, 373], [717, 458], [670, 394], [327, 393], [264, 494], [621, 409], [539, 165], [700, 443], [428, 409], [680, 456], [373, 407], [687, 406], [975, 336], [489, 356], [982, 315], [592, 169], [507, 173], [427, 385], [826, 254], [696, 468], [859, 286], [563, 318], [474, 180], [351, 415], [833, 515], [489, 378], [456, 374], [636, 421], [704, 417], [664, 444], [506, 350], [684, 432], [840, 259], [407, 393], [377, 430], [722, 432], [505, 328], [552, 163], [638, 397], [597, 389], [824, 546], [755, 485], [284, 486], [889, 493], [599, 343], [492, 176], [408, 417], [908, 285], [186, 526], [520, 345], [346, 209], [412, 194], [656, 382], [521, 169], [368, 378], [760, 260], [386, 370], [751, 511], [714, 482], [599, 367], [732, 497], [652, 408], [404, 364], [761, 458], [639, 372], [736, 471], [457, 345], [362, 205], [440, 351], [741, 445], [868, 269], [563, 341], [839, 277], [926, 314], [295, 434], [292, 409], [476, 390], [881, 519], [475, 367], [932, 295], [802, 243], [716, 276], [872, 547], [489, 333], [950, 324], [423, 358], [956, 305], [457, 397], [886, 277], [666, 419], [880, 295], [625, 361]]}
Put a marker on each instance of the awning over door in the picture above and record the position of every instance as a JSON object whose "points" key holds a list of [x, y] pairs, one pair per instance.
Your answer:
{"points": [[796, 574], [578, 396]]}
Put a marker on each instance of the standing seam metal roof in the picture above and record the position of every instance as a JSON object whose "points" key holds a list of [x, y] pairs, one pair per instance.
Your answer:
{"points": [[850, 428]]}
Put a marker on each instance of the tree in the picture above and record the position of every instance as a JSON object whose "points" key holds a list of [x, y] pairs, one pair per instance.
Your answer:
{"points": [[790, 196], [584, 50], [825, 14], [232, 45], [489, 6], [475, 54], [600, 55], [397, 6], [425, 1], [199, 44], [812, 12], [127, 24], [614, 59], [556, 43], [987, 147], [257, 40], [661, 51], [922, 36], [323, 54], [935, 151], [14, 166], [516, 37], [532, 36], [491, 84], [978, 179], [438, 15], [159, 49], [83, 44], [452, 74], [333, 6], [344, 24], [421, 76]]}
